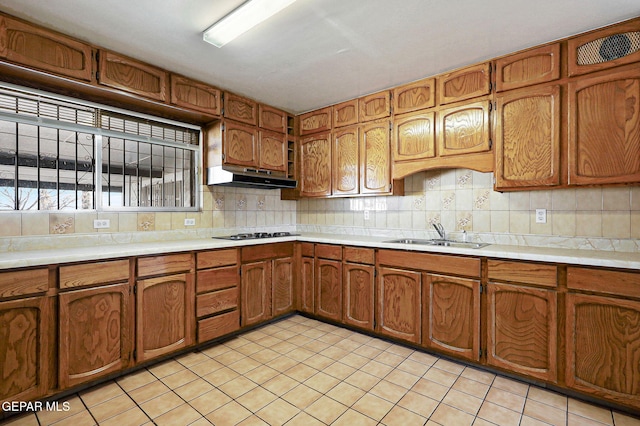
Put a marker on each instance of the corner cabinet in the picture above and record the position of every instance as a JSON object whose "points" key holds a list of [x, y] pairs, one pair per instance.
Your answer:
{"points": [[165, 318]]}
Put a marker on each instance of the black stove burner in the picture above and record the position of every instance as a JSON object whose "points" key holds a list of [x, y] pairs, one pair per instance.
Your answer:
{"points": [[256, 235]]}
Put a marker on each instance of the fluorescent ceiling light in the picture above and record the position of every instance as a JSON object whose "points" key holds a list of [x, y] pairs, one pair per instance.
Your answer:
{"points": [[242, 19]]}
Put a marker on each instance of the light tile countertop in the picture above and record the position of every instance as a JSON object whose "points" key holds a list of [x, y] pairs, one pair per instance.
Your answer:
{"points": [[18, 259]]}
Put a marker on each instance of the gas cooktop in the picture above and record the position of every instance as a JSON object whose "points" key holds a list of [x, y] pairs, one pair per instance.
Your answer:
{"points": [[256, 235]]}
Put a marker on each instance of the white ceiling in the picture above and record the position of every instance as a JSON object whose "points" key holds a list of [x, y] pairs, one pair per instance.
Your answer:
{"points": [[320, 52]]}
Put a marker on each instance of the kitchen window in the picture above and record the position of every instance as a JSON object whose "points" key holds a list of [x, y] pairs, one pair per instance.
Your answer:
{"points": [[58, 153]]}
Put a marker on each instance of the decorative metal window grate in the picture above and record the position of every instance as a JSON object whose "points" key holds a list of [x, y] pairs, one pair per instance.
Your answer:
{"points": [[56, 154], [609, 48]]}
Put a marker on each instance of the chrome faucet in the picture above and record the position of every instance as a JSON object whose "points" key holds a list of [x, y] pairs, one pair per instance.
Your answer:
{"points": [[440, 230]]}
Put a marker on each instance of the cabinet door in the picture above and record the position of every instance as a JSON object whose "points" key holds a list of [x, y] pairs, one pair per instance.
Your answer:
{"points": [[346, 161], [315, 162], [272, 151], [95, 333], [521, 328], [129, 75], [315, 121], [452, 321], [398, 302], [307, 292], [604, 129], [164, 315], [255, 292], [528, 138], [414, 137], [415, 96], [375, 106], [240, 109], [539, 65], [464, 129], [240, 144], [464, 84], [329, 289], [282, 286], [345, 114], [194, 95], [603, 347], [29, 45], [358, 295], [375, 154], [272, 119], [25, 342]]}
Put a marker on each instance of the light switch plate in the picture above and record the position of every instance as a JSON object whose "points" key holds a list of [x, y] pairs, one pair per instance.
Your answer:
{"points": [[541, 215]]}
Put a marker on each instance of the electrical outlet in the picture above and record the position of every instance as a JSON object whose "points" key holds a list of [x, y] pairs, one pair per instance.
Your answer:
{"points": [[189, 222], [101, 223], [366, 215], [541, 215]]}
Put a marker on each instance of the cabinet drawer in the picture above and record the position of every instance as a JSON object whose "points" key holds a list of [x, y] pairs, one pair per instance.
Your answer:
{"points": [[443, 264], [268, 251], [217, 301], [28, 281], [162, 265], [327, 251], [216, 279], [359, 255], [110, 271], [217, 326], [306, 249], [604, 281], [215, 259], [522, 272]]}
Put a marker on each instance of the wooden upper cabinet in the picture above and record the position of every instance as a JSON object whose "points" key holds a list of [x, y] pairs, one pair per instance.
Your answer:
{"points": [[194, 95], [528, 138], [28, 45], [375, 154], [539, 65], [240, 109], [414, 96], [452, 315], [604, 128], [272, 149], [398, 302], [346, 161], [240, 144], [375, 106], [316, 121], [129, 75], [273, 119], [464, 84], [315, 165], [464, 129], [414, 136], [609, 47], [346, 113]]}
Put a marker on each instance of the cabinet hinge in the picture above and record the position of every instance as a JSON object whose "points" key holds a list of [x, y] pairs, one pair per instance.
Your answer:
{"points": [[135, 354], [481, 288], [375, 272], [98, 75], [135, 289], [490, 144], [490, 86], [480, 354], [240, 271], [222, 125]]}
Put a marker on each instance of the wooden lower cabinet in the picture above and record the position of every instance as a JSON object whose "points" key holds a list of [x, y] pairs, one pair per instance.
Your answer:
{"points": [[164, 315], [452, 315], [522, 330], [256, 292], [398, 304], [95, 333], [307, 288], [603, 347], [26, 337], [329, 289], [358, 295], [282, 286]]}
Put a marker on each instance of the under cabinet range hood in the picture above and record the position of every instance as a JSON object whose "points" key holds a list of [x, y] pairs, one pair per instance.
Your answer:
{"points": [[246, 178]]}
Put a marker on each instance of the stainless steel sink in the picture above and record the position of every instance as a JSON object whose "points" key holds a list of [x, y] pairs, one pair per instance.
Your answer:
{"points": [[438, 242]]}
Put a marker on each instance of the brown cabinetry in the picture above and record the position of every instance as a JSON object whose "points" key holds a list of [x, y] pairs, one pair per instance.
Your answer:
{"points": [[375, 106], [164, 305], [528, 138], [346, 161], [194, 95], [465, 83], [272, 119], [328, 271], [345, 114], [316, 121], [240, 144], [272, 151], [375, 162], [240, 109], [534, 66], [95, 331], [522, 318], [398, 304], [414, 96], [217, 293], [604, 136], [358, 285], [315, 165], [464, 129], [132, 76], [414, 137], [306, 284], [602, 334], [26, 335], [34, 47]]}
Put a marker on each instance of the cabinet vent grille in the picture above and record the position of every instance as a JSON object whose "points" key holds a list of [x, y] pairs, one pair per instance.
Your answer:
{"points": [[609, 48]]}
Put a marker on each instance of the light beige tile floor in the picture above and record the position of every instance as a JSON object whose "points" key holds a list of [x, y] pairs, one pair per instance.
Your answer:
{"points": [[299, 371]]}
